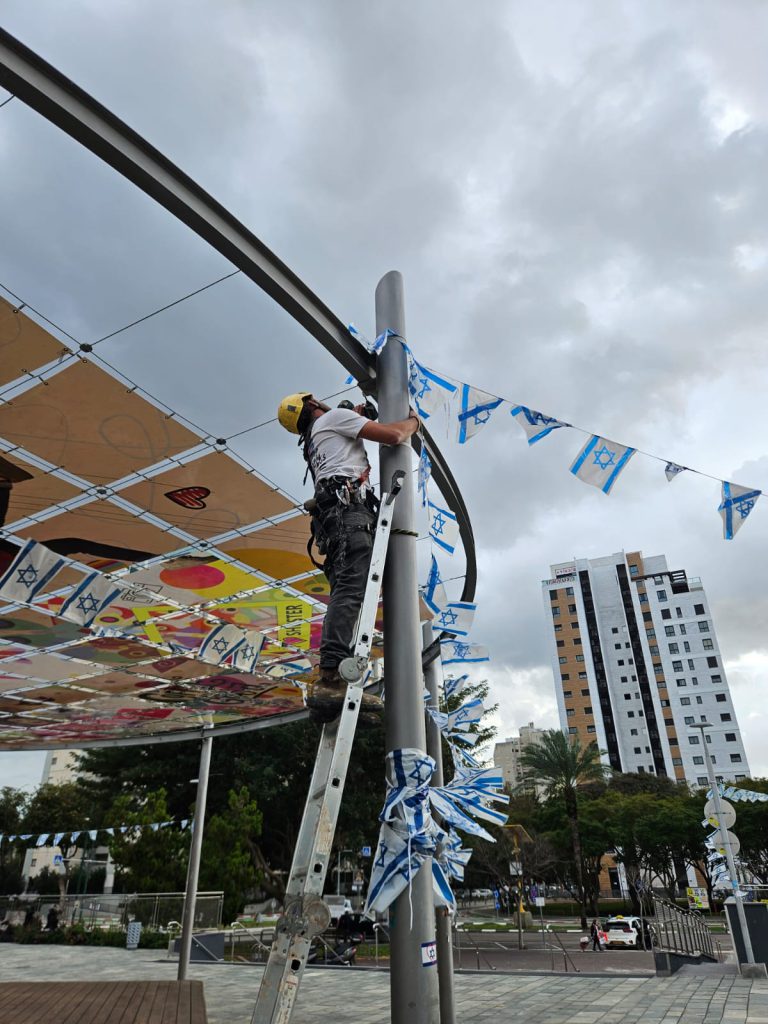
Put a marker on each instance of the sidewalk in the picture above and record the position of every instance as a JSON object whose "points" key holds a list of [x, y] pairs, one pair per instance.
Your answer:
{"points": [[362, 997]]}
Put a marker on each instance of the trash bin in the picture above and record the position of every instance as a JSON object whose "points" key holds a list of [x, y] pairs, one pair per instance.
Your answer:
{"points": [[133, 935]]}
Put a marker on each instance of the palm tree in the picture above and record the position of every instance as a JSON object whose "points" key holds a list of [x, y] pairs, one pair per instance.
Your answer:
{"points": [[560, 764]]}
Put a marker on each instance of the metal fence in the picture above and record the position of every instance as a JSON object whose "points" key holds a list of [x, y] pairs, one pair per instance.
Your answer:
{"points": [[115, 910], [681, 931]]}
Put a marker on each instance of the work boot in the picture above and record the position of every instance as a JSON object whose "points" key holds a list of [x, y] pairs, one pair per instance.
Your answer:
{"points": [[326, 693]]}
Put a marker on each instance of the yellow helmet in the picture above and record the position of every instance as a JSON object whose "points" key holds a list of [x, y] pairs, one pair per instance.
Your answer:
{"points": [[290, 409]]}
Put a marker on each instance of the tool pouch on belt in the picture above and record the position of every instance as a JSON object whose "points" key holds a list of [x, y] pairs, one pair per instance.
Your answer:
{"points": [[338, 508]]}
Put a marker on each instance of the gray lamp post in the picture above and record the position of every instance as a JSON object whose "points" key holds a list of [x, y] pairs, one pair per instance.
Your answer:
{"points": [[702, 727]]}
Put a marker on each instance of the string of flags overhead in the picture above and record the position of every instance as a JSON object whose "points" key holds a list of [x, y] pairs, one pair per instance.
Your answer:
{"points": [[599, 462], [54, 838]]}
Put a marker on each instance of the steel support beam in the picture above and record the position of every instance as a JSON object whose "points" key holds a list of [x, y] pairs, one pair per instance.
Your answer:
{"points": [[195, 848]]}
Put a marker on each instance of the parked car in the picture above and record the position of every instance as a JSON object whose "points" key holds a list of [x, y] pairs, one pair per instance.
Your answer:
{"points": [[337, 905], [626, 933]]}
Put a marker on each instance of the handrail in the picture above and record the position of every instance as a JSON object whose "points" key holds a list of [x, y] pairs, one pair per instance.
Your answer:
{"points": [[45, 89]]}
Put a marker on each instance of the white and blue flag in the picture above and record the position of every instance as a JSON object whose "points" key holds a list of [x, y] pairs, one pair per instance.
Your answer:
{"points": [[535, 424], [600, 461], [736, 504], [455, 652], [453, 686], [30, 573], [443, 527], [246, 656], [424, 473], [671, 470], [428, 390], [433, 594], [89, 599], [474, 411], [221, 643], [456, 617]]}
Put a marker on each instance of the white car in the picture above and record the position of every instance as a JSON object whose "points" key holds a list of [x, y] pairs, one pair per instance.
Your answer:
{"points": [[623, 933]]}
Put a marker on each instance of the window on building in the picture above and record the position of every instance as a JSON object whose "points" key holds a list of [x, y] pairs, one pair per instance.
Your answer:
{"points": [[674, 648], [698, 609], [630, 714], [639, 714], [591, 728], [582, 675], [553, 595], [630, 661], [699, 700], [677, 666], [659, 672], [669, 630], [685, 700], [638, 750], [627, 696], [574, 625], [647, 617], [579, 657], [702, 780], [558, 627], [572, 609], [716, 679], [726, 717], [585, 693], [560, 643], [633, 732], [691, 664], [617, 647], [708, 644], [665, 703], [569, 591], [730, 737], [679, 612], [642, 598], [614, 629], [587, 710], [677, 761], [634, 679], [651, 634], [562, 660], [694, 681], [624, 679], [577, 641], [555, 613], [572, 729], [711, 662], [735, 758], [634, 570], [654, 650], [661, 595], [640, 770], [693, 740], [703, 626], [686, 647], [567, 693], [681, 627], [565, 675], [620, 661], [689, 719], [669, 721], [666, 613], [570, 712], [698, 759]]}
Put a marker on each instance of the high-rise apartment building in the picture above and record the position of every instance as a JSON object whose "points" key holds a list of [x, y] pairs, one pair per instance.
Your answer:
{"points": [[506, 755], [637, 664]]}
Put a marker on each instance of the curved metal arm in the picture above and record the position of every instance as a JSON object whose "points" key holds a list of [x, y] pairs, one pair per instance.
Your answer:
{"points": [[57, 98]]}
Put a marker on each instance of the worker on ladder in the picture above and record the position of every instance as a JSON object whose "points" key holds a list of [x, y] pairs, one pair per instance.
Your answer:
{"points": [[343, 521]]}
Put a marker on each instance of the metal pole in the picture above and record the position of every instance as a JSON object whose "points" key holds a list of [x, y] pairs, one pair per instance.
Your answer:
{"points": [[702, 726], [193, 869], [432, 679], [413, 984]]}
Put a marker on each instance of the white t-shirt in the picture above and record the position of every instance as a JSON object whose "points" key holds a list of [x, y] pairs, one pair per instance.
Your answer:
{"points": [[335, 448]]}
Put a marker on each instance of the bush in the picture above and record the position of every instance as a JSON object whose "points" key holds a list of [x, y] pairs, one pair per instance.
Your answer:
{"points": [[78, 935]]}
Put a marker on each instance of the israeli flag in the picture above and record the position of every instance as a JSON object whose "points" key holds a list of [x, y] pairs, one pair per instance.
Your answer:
{"points": [[443, 527], [455, 724], [246, 657], [475, 411], [372, 348], [453, 687], [600, 461], [455, 652], [433, 594], [424, 473], [43, 839], [427, 389], [535, 424], [60, 835], [221, 643], [736, 504], [30, 573], [671, 470], [89, 599], [456, 618]]}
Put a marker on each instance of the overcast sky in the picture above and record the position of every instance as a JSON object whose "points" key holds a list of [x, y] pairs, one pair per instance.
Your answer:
{"points": [[576, 196]]}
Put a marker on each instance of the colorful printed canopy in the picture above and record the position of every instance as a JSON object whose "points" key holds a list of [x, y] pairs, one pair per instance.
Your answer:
{"points": [[188, 535]]}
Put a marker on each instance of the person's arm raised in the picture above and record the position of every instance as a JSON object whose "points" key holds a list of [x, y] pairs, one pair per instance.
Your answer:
{"points": [[390, 433]]}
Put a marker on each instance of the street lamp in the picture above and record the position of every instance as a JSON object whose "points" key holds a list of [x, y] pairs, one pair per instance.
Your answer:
{"points": [[726, 840]]}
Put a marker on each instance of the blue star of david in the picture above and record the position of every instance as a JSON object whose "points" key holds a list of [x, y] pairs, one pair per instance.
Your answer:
{"points": [[604, 457], [381, 859], [744, 507], [461, 650], [247, 651], [87, 603], [220, 646], [422, 772], [438, 523], [27, 575], [448, 618], [481, 416], [539, 417]]}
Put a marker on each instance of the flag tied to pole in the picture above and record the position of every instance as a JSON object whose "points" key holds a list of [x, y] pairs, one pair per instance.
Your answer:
{"points": [[671, 470], [428, 390], [30, 573], [737, 502], [470, 796], [456, 652], [408, 834], [474, 411], [600, 462], [456, 724], [535, 424], [452, 856], [452, 687], [423, 474], [89, 599]]}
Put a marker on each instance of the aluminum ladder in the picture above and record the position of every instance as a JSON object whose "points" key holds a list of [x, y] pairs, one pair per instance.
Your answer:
{"points": [[306, 914]]}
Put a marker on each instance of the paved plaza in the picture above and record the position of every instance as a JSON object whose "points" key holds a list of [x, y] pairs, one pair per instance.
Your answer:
{"points": [[346, 996]]}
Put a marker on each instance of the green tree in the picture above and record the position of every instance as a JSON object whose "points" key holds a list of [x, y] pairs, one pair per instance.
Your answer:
{"points": [[13, 804], [62, 807], [562, 765], [147, 860], [231, 857]]}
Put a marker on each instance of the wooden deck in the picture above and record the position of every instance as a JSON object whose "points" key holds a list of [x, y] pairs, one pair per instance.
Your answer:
{"points": [[102, 1002]]}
